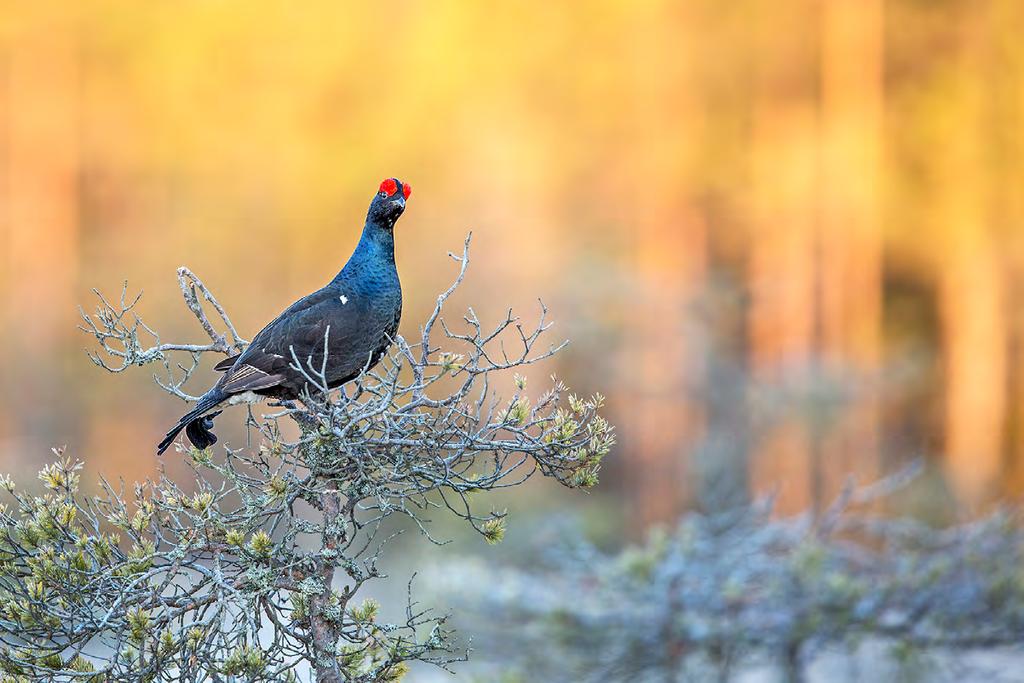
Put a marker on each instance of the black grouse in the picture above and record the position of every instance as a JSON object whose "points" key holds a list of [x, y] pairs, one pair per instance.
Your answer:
{"points": [[357, 313]]}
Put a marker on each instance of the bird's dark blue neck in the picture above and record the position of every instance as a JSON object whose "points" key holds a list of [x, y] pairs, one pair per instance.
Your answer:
{"points": [[376, 249]]}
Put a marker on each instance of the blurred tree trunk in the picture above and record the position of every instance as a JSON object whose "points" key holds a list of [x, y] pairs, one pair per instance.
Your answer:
{"points": [[40, 228], [972, 278], [1015, 480], [975, 336], [668, 259], [720, 459], [783, 159], [1007, 69], [850, 266]]}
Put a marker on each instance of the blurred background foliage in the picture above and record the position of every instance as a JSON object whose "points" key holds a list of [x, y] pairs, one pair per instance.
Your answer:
{"points": [[785, 236]]}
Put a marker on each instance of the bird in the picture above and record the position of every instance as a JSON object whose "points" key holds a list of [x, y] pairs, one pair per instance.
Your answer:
{"points": [[354, 317]]}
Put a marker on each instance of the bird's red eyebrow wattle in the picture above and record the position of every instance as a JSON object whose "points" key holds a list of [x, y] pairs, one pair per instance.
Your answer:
{"points": [[389, 187], [406, 190]]}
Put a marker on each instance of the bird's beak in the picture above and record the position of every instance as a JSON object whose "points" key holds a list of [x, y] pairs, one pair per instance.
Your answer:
{"points": [[400, 202]]}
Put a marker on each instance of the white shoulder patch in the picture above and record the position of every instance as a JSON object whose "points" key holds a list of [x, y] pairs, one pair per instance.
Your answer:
{"points": [[344, 299]]}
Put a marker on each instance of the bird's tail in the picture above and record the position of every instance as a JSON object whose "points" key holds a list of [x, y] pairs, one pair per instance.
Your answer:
{"points": [[197, 423]]}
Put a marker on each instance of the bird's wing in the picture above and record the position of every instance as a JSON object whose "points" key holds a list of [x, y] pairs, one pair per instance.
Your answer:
{"points": [[227, 363], [251, 357], [245, 377], [266, 361], [298, 310]]}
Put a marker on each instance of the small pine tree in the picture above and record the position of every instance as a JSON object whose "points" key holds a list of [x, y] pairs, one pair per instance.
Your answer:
{"points": [[252, 572]]}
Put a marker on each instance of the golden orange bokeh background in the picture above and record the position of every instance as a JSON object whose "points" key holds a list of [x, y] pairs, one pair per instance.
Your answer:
{"points": [[795, 223]]}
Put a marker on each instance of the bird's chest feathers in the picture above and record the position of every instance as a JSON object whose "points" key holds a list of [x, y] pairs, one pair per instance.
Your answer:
{"points": [[364, 305], [361, 314], [371, 294]]}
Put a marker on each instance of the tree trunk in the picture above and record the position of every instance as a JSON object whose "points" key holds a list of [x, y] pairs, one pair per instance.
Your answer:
{"points": [[324, 631]]}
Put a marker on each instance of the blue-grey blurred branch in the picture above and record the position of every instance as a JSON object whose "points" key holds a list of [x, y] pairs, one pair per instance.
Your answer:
{"points": [[738, 592]]}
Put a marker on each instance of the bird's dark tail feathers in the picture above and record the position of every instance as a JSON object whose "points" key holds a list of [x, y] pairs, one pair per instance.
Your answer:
{"points": [[197, 423]]}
